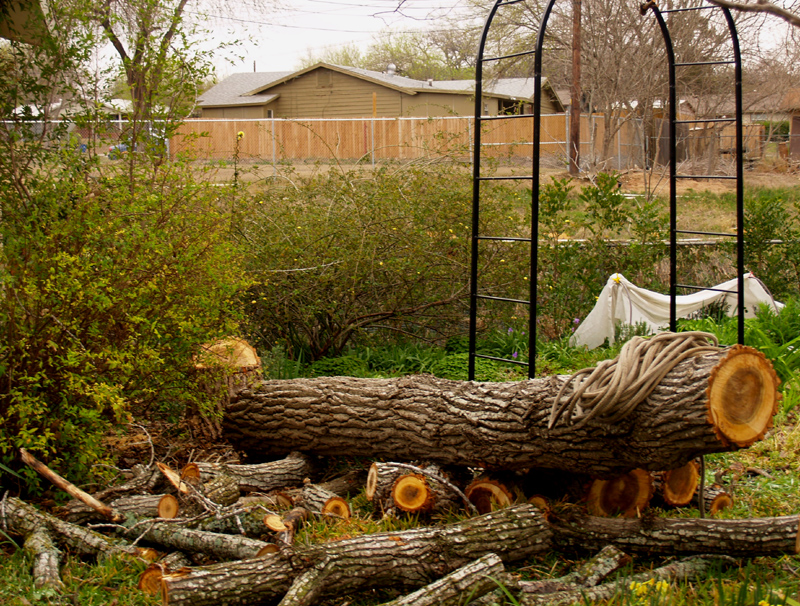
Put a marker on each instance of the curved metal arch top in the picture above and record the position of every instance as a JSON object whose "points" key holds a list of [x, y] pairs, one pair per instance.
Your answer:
{"points": [[535, 175], [534, 178], [673, 160]]}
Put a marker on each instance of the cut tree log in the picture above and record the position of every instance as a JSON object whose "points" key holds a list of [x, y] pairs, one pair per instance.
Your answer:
{"points": [[488, 494], [263, 477], [22, 519], [588, 574], [138, 506], [678, 536], [627, 494], [431, 490], [216, 545], [700, 406], [470, 581], [676, 487], [46, 559], [286, 527], [716, 499], [402, 560], [318, 500]]}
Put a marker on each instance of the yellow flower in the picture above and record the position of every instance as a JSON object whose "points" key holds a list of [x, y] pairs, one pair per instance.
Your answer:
{"points": [[764, 603], [240, 135]]}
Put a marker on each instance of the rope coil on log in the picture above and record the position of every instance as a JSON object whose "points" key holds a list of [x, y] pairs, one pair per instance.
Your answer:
{"points": [[612, 390]]}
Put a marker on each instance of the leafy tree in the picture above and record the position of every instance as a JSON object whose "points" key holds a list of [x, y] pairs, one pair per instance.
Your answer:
{"points": [[113, 274], [440, 55]]}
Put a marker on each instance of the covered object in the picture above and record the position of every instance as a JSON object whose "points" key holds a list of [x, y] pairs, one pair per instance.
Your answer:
{"points": [[621, 302]]}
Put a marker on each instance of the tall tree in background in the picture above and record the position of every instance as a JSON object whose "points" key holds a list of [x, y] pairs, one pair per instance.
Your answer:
{"points": [[575, 92], [443, 54]]}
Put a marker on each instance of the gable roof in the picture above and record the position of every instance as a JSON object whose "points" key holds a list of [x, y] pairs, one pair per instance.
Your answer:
{"points": [[253, 88]]}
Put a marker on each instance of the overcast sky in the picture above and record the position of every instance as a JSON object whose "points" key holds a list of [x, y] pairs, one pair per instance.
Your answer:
{"points": [[278, 40]]}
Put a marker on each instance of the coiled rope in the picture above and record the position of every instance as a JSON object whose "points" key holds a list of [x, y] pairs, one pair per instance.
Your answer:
{"points": [[612, 389]]}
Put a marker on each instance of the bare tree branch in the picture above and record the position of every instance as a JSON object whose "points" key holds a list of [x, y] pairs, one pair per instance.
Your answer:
{"points": [[761, 6]]}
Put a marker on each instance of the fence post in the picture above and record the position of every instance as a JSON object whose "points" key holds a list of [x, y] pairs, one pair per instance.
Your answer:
{"points": [[274, 165]]}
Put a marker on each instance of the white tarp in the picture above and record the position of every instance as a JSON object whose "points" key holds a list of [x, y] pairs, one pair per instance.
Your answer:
{"points": [[620, 302]]}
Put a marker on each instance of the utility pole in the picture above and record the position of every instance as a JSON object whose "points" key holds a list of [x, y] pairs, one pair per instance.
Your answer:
{"points": [[575, 92]]}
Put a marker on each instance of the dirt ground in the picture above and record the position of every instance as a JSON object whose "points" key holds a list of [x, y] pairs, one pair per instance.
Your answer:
{"points": [[632, 181]]}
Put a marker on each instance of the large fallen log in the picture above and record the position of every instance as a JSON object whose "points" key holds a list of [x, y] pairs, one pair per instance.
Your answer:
{"points": [[713, 402], [407, 559]]}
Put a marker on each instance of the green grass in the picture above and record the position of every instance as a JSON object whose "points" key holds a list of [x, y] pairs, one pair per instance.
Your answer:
{"points": [[85, 583]]}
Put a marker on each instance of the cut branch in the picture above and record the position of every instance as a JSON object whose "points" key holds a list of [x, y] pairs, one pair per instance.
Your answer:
{"points": [[462, 585], [72, 490], [395, 559]]}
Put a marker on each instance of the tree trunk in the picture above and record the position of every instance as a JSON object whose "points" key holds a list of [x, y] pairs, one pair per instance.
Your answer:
{"points": [[407, 559], [713, 402], [667, 536]]}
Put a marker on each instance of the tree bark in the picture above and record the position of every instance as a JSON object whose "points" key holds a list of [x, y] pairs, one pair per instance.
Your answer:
{"points": [[216, 545], [263, 477], [474, 580], [23, 519], [686, 569], [685, 536], [406, 559], [46, 559], [697, 408]]}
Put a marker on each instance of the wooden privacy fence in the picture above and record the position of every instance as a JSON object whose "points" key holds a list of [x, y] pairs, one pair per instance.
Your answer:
{"points": [[509, 142], [382, 139]]}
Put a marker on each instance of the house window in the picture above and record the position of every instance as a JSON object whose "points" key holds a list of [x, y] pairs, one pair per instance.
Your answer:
{"points": [[269, 114], [511, 108], [324, 79]]}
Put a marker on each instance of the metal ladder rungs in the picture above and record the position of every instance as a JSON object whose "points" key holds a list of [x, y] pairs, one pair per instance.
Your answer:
{"points": [[705, 233], [692, 63], [503, 299], [700, 121], [520, 178], [697, 177], [692, 287], [496, 359], [505, 117], [502, 239], [511, 56]]}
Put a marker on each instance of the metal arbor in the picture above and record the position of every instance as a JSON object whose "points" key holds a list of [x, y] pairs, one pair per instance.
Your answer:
{"points": [[674, 122], [476, 295]]}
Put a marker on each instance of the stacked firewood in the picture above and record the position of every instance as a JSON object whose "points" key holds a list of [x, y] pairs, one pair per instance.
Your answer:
{"points": [[223, 533]]}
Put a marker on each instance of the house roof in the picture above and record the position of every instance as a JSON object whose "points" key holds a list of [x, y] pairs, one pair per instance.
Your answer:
{"points": [[241, 89], [791, 100], [22, 21], [753, 102], [252, 88]]}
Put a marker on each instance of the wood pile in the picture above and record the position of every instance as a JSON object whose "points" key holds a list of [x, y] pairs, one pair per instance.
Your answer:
{"points": [[229, 533]]}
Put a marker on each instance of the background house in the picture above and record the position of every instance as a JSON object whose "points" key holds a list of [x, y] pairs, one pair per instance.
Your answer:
{"points": [[22, 21], [334, 91], [791, 105]]}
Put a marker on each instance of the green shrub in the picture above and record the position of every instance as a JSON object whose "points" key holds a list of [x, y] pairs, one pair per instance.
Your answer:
{"points": [[112, 275], [346, 255]]}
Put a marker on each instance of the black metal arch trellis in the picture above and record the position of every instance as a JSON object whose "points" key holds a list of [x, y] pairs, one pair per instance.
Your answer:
{"points": [[477, 238]]}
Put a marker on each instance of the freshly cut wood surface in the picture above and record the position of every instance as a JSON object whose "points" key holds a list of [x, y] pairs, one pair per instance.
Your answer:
{"points": [[488, 494], [627, 494], [677, 486], [505, 425]]}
